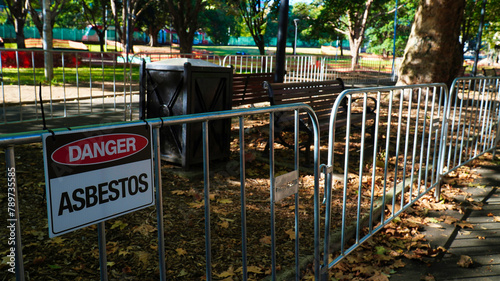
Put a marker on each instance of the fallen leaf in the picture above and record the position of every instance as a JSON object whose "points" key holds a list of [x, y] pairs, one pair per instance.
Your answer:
{"points": [[179, 192], [227, 273], [464, 225], [435, 225], [181, 251], [291, 233], [119, 224], [465, 261], [143, 257], [223, 224], [54, 266], [265, 240], [197, 204], [428, 277], [251, 269], [496, 218], [225, 201], [144, 229], [56, 240], [379, 276]]}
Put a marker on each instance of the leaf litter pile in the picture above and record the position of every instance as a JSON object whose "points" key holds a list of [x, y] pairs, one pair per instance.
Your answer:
{"points": [[132, 251]]}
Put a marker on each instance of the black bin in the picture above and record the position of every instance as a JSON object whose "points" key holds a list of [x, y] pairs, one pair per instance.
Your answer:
{"points": [[186, 86]]}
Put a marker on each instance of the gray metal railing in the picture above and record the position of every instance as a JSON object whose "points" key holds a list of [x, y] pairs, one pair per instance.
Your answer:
{"points": [[89, 83], [375, 179], [420, 134], [473, 116], [83, 83], [280, 187]]}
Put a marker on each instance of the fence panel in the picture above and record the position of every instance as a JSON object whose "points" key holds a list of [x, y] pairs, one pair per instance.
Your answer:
{"points": [[371, 71], [84, 83], [372, 179], [250, 63], [280, 239], [152, 57], [473, 119]]}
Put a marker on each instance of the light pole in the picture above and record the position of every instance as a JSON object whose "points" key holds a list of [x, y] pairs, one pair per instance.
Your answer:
{"points": [[394, 42], [295, 21]]}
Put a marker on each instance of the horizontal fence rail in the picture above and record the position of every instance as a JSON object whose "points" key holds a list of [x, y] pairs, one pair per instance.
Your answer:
{"points": [[284, 187], [371, 179], [83, 83]]}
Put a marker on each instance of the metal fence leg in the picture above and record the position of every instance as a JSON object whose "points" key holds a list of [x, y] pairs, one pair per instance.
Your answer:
{"points": [[103, 259]]}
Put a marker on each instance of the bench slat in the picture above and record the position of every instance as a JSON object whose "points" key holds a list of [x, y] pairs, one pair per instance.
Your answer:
{"points": [[247, 88]]}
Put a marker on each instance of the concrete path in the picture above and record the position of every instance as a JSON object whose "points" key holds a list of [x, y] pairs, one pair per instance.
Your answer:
{"points": [[481, 242]]}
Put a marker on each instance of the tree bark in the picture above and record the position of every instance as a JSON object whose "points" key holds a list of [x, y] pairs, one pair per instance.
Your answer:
{"points": [[17, 14], [185, 21], [356, 32], [433, 53]]}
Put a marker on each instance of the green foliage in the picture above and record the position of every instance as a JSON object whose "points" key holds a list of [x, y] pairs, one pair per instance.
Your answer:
{"points": [[381, 32], [470, 25], [218, 23]]}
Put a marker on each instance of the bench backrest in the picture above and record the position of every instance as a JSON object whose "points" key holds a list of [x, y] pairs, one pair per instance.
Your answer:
{"points": [[319, 95], [248, 89]]}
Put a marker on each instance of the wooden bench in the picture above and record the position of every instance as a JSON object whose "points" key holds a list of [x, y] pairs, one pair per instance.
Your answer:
{"points": [[320, 96], [491, 72], [248, 90]]}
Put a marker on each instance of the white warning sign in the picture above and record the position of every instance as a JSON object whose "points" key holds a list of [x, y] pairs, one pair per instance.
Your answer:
{"points": [[95, 175]]}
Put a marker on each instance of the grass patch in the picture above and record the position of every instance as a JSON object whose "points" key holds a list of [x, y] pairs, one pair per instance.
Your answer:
{"points": [[68, 75]]}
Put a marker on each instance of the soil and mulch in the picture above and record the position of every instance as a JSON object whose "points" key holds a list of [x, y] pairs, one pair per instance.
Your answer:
{"points": [[132, 251]]}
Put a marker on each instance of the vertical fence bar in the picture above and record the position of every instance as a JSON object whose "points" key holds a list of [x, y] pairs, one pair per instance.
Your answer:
{"points": [[103, 80], [77, 83], [272, 195], [64, 86], [19, 87], [206, 184], [34, 84], [296, 167], [3, 89], [103, 260], [114, 82], [243, 200], [159, 203], [13, 213]]}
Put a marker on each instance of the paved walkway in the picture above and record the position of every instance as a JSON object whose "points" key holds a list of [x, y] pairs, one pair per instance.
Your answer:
{"points": [[481, 242]]}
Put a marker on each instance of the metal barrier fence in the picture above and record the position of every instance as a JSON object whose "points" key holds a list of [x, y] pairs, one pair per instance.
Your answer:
{"points": [[84, 83], [87, 83], [317, 68], [473, 116], [284, 186], [379, 164], [382, 175], [152, 57]]}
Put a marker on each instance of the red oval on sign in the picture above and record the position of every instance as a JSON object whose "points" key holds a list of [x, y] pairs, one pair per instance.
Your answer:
{"points": [[99, 149]]}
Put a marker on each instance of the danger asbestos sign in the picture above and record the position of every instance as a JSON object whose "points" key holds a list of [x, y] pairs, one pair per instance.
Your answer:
{"points": [[95, 175]]}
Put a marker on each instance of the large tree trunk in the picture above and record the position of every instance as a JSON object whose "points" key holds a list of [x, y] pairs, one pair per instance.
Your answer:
{"points": [[433, 53], [19, 29], [261, 45], [355, 45], [356, 27]]}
